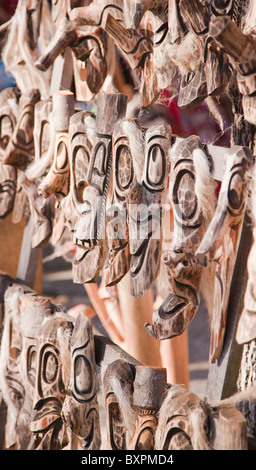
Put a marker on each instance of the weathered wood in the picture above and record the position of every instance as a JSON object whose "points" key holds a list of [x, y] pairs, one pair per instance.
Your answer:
{"points": [[221, 240], [134, 44], [177, 430], [41, 212], [52, 373], [89, 59], [240, 47], [118, 384], [149, 389], [183, 273], [196, 15], [57, 179], [8, 179], [95, 13], [20, 149], [90, 228], [144, 203], [118, 259], [222, 376], [232, 430], [138, 8], [29, 257], [81, 409]]}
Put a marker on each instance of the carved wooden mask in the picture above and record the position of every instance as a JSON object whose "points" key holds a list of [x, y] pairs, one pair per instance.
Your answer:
{"points": [[20, 149], [12, 382], [8, 116], [221, 240], [47, 426], [80, 409], [145, 210], [118, 374], [90, 228], [118, 259], [183, 271], [176, 430]]}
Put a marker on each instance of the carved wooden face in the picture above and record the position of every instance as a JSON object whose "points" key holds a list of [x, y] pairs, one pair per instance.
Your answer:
{"points": [[49, 392], [183, 271], [145, 249], [42, 128], [90, 228], [86, 188], [90, 64], [8, 173], [118, 259], [20, 149], [12, 381], [81, 408], [177, 434], [122, 373]]}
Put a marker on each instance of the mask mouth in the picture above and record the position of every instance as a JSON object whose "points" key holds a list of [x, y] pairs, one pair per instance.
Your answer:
{"points": [[172, 305], [172, 317]]}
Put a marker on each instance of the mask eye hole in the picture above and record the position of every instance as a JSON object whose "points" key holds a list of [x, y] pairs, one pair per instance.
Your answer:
{"points": [[124, 168], [81, 164], [50, 367], [184, 195]]}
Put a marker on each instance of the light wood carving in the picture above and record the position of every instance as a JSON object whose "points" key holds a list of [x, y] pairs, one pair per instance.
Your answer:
{"points": [[80, 408], [221, 240], [20, 149], [183, 272], [144, 202], [8, 179], [90, 228]]}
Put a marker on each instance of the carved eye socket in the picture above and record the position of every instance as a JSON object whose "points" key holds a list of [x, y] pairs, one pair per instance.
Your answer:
{"points": [[124, 168], [25, 131], [61, 156], [184, 195], [100, 159], [31, 364], [156, 167], [6, 130], [50, 367], [82, 375], [236, 191], [81, 164]]}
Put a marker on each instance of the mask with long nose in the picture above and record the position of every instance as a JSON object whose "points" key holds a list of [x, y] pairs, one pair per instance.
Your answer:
{"points": [[182, 270]]}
